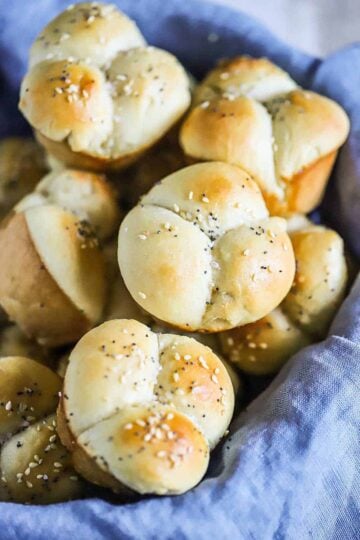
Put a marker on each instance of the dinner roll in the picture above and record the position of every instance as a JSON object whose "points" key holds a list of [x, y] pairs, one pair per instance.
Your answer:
{"points": [[13, 342], [28, 392], [250, 113], [88, 195], [150, 409], [95, 94], [305, 314], [52, 278], [36, 468], [21, 167], [201, 253]]}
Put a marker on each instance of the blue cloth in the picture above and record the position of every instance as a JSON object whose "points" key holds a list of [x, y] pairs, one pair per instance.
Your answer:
{"points": [[291, 467]]}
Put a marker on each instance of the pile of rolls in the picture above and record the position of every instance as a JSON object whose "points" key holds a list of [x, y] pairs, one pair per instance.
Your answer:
{"points": [[155, 252]]}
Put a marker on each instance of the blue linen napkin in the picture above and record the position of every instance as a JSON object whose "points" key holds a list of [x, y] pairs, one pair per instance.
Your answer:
{"points": [[290, 468]]}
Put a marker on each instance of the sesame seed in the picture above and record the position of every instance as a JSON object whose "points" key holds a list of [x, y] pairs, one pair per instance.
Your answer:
{"points": [[204, 199], [29, 484], [142, 236], [128, 426], [161, 453], [140, 423], [230, 341], [147, 437], [202, 362], [176, 208], [246, 252], [73, 478], [187, 356], [8, 406], [177, 356], [263, 345], [176, 377], [224, 76], [217, 371], [214, 379], [169, 416], [57, 464], [204, 104], [252, 345], [142, 295], [190, 196]]}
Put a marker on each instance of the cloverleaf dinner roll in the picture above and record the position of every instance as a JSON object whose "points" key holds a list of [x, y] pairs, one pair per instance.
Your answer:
{"points": [[88, 195], [150, 409], [34, 465], [201, 253], [250, 113], [52, 276], [22, 164], [36, 468], [305, 314], [95, 94]]}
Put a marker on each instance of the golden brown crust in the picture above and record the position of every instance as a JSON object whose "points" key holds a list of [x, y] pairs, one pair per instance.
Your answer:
{"points": [[239, 267], [150, 409], [306, 189], [92, 84], [249, 113]]}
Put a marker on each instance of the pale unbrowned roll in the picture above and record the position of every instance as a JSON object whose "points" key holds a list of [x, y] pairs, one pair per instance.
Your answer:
{"points": [[52, 276], [201, 253], [250, 113], [95, 94], [151, 408], [305, 314], [36, 468], [22, 164], [87, 195]]}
